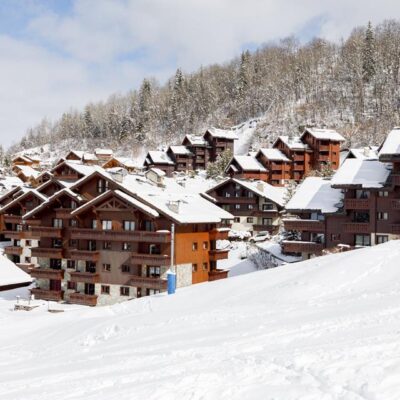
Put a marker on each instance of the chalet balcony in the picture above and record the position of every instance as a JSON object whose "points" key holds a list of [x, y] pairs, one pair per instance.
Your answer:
{"points": [[14, 234], [47, 252], [148, 282], [13, 250], [26, 267], [120, 236], [219, 234], [217, 274], [356, 227], [323, 147], [236, 200], [322, 158], [87, 255], [44, 294], [297, 157], [261, 227], [161, 260], [307, 225], [357, 204], [63, 213], [395, 229], [396, 179], [12, 219], [302, 247], [84, 299], [263, 213], [67, 177], [46, 231], [299, 168], [216, 255], [47, 273], [84, 277], [395, 204]]}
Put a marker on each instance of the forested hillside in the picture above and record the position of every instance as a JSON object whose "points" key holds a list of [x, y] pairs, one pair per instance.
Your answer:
{"points": [[352, 86]]}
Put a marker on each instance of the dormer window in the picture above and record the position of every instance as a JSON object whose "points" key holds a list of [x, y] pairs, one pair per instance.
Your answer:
{"points": [[102, 185]]}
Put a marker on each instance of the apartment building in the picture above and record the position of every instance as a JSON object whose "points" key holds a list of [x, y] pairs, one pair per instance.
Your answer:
{"points": [[256, 205], [106, 237]]}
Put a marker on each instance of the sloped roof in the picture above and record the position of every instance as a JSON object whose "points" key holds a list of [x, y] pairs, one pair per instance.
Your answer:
{"points": [[180, 150], [273, 154], [248, 163], [159, 157], [391, 145], [28, 171], [10, 274], [39, 195], [294, 143], [364, 153], [325, 134], [196, 140], [222, 133]]}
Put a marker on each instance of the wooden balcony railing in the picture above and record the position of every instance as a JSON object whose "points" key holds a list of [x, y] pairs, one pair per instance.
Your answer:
{"points": [[299, 168], [47, 273], [216, 255], [47, 252], [322, 158], [323, 147], [84, 277], [63, 213], [217, 274], [52, 295], [14, 234], [356, 227], [357, 204], [12, 219], [301, 225], [148, 282], [302, 247], [151, 259], [67, 177], [297, 157], [219, 234], [13, 250], [46, 231], [120, 236], [84, 299], [236, 200], [261, 227], [26, 267], [87, 255]]}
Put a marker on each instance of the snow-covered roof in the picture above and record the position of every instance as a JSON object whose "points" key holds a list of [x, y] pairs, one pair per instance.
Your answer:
{"points": [[196, 140], [273, 154], [362, 173], [128, 162], [157, 171], [222, 133], [28, 171], [264, 189], [25, 193], [248, 163], [159, 157], [22, 157], [80, 168], [294, 142], [391, 145], [365, 153], [180, 150], [315, 194], [78, 153], [325, 134], [103, 152], [89, 157], [10, 274]]}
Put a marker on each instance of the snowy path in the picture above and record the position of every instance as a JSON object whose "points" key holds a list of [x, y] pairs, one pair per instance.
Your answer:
{"points": [[324, 329]]}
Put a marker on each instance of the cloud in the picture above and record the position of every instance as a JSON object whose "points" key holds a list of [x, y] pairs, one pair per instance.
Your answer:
{"points": [[64, 58]]}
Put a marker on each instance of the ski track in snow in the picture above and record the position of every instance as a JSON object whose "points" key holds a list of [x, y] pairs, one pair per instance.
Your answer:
{"points": [[324, 329]]}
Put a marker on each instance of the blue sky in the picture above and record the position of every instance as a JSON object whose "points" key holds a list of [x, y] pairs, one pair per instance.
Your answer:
{"points": [[58, 54]]}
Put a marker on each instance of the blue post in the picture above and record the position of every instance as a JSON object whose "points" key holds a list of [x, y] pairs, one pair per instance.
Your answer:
{"points": [[171, 282]]}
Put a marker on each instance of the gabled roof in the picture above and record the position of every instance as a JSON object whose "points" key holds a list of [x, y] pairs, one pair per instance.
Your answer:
{"points": [[159, 157], [196, 140], [248, 163], [361, 173], [118, 193], [294, 143], [103, 152], [315, 194], [11, 275], [273, 154], [28, 192], [180, 150], [391, 146], [365, 153], [49, 200], [78, 167], [97, 171], [324, 134], [222, 133], [22, 157], [27, 171]]}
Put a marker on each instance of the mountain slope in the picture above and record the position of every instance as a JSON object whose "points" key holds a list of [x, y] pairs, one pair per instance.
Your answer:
{"points": [[327, 328]]}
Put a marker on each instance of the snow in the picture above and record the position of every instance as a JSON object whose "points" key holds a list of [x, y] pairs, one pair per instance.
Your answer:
{"points": [[8, 183], [293, 143], [245, 133], [273, 154], [180, 150], [196, 140], [222, 133], [249, 163], [326, 328], [160, 157], [325, 134], [365, 153], [28, 171], [10, 274], [275, 249], [315, 194], [391, 145], [362, 173]]}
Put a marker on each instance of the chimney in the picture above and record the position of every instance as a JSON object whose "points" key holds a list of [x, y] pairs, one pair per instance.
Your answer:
{"points": [[173, 205], [366, 151], [260, 186]]}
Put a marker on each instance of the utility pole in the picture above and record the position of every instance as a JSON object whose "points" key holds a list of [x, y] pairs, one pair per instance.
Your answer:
{"points": [[171, 274]]}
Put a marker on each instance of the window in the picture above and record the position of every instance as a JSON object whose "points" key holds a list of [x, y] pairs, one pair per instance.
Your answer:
{"points": [[55, 263], [150, 292], [73, 243], [383, 215], [237, 194], [94, 223], [362, 240], [267, 221], [90, 267], [102, 186], [19, 228], [194, 246], [315, 216], [362, 194], [73, 222], [105, 289], [226, 207], [237, 206], [124, 291], [28, 260], [205, 266], [250, 206], [250, 194], [154, 249], [57, 223], [106, 224], [73, 204], [382, 193], [129, 225], [250, 220], [28, 243], [126, 246], [148, 226], [267, 206], [91, 245], [194, 267], [125, 268], [381, 239], [361, 217], [205, 245], [335, 237], [227, 194], [71, 264], [154, 272], [71, 285], [56, 243], [107, 267], [106, 245], [236, 219]]}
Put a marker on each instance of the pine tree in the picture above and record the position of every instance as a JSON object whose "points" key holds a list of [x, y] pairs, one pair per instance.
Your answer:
{"points": [[218, 167], [145, 109], [368, 54]]}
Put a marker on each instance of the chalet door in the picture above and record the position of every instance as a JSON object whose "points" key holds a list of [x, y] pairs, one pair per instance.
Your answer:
{"points": [[267, 221], [55, 284]]}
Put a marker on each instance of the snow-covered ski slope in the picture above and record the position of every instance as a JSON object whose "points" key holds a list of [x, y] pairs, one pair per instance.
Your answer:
{"points": [[324, 329]]}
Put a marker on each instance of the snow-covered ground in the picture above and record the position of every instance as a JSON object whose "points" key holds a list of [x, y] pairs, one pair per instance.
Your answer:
{"points": [[323, 329]]}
